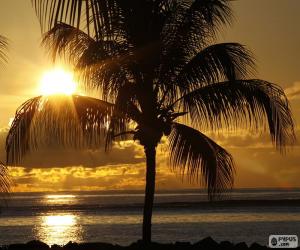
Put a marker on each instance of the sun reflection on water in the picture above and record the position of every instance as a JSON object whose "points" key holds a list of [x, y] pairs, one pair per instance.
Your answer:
{"points": [[59, 199], [60, 196], [59, 220], [59, 228]]}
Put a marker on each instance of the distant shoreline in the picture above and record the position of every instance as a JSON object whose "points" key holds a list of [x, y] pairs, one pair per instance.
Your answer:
{"points": [[236, 203], [220, 204]]}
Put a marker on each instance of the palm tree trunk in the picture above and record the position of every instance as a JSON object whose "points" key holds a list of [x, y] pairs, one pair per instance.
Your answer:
{"points": [[149, 192]]}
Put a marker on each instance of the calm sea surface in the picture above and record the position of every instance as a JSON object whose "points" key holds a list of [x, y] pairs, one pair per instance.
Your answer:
{"points": [[249, 215]]}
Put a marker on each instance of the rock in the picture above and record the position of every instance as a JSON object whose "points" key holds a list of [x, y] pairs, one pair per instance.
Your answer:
{"points": [[37, 245], [256, 246], [71, 246], [226, 245], [18, 247], [207, 244], [136, 245], [240, 246], [56, 247], [98, 246], [182, 243], [179, 245], [140, 245]]}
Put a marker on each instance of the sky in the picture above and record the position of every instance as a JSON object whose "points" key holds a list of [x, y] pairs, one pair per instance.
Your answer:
{"points": [[269, 28]]}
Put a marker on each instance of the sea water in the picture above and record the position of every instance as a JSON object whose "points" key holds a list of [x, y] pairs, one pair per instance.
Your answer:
{"points": [[248, 215]]}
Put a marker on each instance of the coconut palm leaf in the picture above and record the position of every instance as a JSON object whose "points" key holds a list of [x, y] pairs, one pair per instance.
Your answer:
{"points": [[99, 68], [215, 63], [5, 184], [67, 41], [197, 156], [53, 11], [127, 97], [191, 28], [218, 62], [242, 103], [195, 22], [74, 44], [3, 49], [75, 121], [126, 102], [4, 180], [102, 18]]}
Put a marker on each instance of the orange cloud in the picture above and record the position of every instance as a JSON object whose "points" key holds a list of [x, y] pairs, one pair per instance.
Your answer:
{"points": [[258, 164]]}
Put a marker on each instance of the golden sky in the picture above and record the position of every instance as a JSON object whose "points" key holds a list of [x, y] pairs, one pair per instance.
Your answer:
{"points": [[269, 28]]}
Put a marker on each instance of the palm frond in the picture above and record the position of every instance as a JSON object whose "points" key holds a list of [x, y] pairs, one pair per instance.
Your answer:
{"points": [[50, 12], [216, 63], [67, 41], [79, 47], [101, 18], [3, 49], [190, 29], [126, 103], [200, 19], [127, 97], [4, 180], [105, 65], [75, 121], [214, 12], [196, 156], [242, 103]]}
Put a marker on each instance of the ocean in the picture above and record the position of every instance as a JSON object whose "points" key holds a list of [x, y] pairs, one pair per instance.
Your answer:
{"points": [[248, 215]]}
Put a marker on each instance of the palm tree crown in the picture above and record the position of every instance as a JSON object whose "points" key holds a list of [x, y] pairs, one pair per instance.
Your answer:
{"points": [[159, 73]]}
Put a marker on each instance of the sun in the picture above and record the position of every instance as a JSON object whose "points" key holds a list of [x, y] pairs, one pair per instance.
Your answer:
{"points": [[57, 82]]}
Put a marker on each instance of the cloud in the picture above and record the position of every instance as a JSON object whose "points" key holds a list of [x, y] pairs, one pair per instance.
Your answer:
{"points": [[293, 92], [258, 164], [114, 177], [255, 167], [121, 153]]}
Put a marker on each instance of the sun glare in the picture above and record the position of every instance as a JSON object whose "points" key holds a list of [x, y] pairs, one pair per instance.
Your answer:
{"points": [[59, 220], [59, 229], [57, 82]]}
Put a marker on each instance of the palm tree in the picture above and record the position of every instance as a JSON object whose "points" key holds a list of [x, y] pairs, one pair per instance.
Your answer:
{"points": [[4, 180], [159, 73]]}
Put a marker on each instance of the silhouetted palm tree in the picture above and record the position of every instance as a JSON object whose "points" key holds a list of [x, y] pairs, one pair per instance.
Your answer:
{"points": [[159, 73]]}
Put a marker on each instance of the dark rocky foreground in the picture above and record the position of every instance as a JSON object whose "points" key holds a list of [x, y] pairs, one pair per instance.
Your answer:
{"points": [[205, 244]]}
